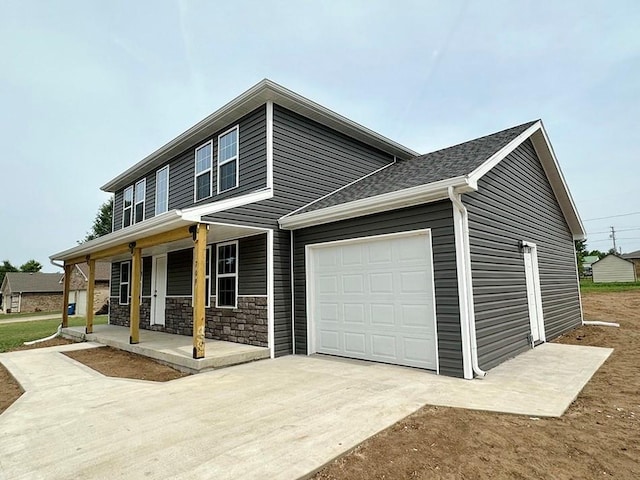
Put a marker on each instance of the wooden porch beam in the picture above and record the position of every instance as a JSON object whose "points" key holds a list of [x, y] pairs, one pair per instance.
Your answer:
{"points": [[65, 295], [134, 306], [199, 290], [146, 242], [90, 287]]}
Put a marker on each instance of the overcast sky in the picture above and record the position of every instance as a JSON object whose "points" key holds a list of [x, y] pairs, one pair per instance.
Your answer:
{"points": [[88, 88]]}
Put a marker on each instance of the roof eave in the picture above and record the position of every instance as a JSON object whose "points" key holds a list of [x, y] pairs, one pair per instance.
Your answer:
{"points": [[248, 101], [380, 203]]}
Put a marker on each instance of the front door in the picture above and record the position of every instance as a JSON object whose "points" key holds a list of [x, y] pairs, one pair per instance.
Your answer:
{"points": [[534, 296], [158, 289]]}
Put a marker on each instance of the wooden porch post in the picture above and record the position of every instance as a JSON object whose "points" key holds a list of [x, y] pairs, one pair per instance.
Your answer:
{"points": [[90, 285], [65, 295], [199, 300], [134, 310]]}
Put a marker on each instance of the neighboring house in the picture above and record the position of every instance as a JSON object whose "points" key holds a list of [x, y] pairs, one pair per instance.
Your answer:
{"points": [[79, 284], [635, 258], [613, 268], [31, 292], [279, 223], [587, 261]]}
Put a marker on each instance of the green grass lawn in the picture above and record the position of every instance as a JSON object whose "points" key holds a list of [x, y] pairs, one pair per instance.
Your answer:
{"points": [[6, 316], [587, 286], [14, 334]]}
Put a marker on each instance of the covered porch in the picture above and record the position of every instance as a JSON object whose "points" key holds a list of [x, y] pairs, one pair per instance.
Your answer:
{"points": [[172, 350], [154, 239]]}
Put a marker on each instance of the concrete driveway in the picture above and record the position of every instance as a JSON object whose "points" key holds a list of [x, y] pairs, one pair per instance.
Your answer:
{"points": [[276, 419]]}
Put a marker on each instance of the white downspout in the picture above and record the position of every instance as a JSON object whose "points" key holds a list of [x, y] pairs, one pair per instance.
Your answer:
{"points": [[471, 317]]}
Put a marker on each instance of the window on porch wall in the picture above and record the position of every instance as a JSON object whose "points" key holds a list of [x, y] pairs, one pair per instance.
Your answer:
{"points": [[227, 278], [124, 283]]}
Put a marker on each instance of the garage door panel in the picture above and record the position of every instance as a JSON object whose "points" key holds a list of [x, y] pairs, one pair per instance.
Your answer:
{"points": [[373, 300], [354, 313]]}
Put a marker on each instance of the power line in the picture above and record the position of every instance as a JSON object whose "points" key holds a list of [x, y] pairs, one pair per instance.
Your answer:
{"points": [[613, 216], [608, 239], [609, 231]]}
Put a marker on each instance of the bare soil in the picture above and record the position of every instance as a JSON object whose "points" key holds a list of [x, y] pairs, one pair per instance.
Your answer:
{"points": [[598, 436], [49, 343], [10, 389], [118, 363]]}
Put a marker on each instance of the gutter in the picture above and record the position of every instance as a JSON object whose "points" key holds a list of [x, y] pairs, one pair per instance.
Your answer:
{"points": [[467, 281]]}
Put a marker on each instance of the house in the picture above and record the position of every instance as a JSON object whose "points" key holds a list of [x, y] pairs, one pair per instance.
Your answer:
{"points": [[277, 222], [31, 292], [79, 286], [635, 258], [587, 261], [613, 268]]}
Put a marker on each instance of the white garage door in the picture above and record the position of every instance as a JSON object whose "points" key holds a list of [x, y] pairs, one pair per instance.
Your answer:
{"points": [[373, 299]]}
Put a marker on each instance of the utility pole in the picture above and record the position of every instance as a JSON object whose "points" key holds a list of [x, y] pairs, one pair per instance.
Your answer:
{"points": [[613, 237]]}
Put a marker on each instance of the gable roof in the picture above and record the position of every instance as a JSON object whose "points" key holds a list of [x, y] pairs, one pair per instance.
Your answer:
{"points": [[264, 91], [635, 254], [37, 282], [457, 161], [589, 259], [427, 178], [103, 271], [612, 255]]}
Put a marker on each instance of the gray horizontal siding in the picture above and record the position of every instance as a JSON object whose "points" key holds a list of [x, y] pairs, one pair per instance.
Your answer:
{"points": [[252, 169], [252, 163], [115, 279], [310, 160], [515, 202], [180, 272], [436, 216], [146, 276]]}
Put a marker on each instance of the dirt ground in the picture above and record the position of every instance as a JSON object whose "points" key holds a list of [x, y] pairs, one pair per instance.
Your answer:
{"points": [[598, 437], [118, 363]]}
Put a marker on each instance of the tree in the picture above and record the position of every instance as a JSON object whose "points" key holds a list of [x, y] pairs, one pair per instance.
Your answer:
{"points": [[6, 267], [31, 266], [102, 223]]}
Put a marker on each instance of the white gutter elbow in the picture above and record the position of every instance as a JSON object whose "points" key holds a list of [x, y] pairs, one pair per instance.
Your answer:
{"points": [[471, 318]]}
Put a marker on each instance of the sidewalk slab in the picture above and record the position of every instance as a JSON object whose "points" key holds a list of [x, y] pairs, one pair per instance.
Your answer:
{"points": [[279, 418]]}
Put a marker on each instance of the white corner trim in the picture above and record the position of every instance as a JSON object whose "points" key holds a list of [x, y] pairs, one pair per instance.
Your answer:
{"points": [[194, 214], [270, 295], [339, 189], [497, 157], [379, 203], [270, 144]]}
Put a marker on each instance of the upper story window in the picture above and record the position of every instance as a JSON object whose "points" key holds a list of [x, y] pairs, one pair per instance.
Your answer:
{"points": [[203, 171], [162, 190], [139, 197], [127, 206], [228, 160]]}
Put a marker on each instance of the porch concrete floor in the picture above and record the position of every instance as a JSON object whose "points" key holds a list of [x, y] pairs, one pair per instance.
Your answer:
{"points": [[173, 350], [279, 419]]}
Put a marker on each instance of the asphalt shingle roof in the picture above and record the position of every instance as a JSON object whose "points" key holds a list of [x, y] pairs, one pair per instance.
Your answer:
{"points": [[450, 162], [103, 270], [635, 254], [34, 282]]}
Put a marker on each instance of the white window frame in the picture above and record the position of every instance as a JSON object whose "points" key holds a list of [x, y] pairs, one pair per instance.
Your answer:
{"points": [[206, 171], [227, 275], [137, 201], [235, 158], [166, 199], [127, 283], [125, 208]]}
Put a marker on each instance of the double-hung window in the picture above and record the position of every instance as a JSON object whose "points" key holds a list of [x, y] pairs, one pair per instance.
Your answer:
{"points": [[140, 194], [228, 160], [203, 171], [124, 283], [227, 275], [127, 206], [162, 190]]}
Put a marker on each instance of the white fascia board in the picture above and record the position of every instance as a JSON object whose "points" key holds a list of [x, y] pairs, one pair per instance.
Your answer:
{"points": [[258, 95], [195, 214], [162, 223], [500, 155], [380, 203]]}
